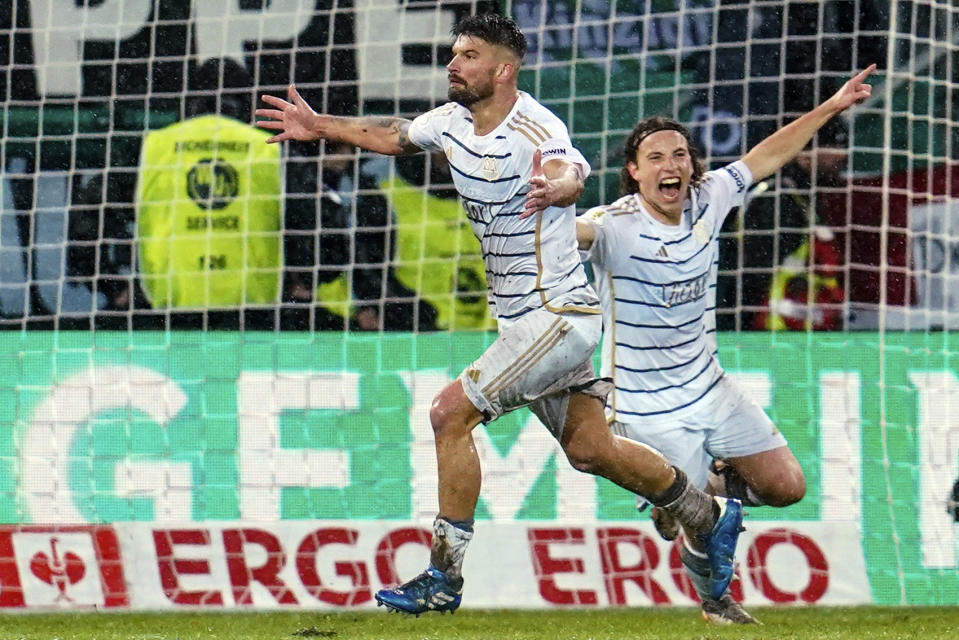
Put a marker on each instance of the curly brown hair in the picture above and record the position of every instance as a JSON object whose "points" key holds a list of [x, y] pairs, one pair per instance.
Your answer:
{"points": [[643, 129]]}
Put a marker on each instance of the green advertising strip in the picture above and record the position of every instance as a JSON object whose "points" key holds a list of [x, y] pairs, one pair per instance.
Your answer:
{"points": [[377, 433]]}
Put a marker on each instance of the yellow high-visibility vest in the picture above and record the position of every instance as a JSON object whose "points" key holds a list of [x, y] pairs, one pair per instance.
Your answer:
{"points": [[209, 206], [437, 256], [780, 307]]}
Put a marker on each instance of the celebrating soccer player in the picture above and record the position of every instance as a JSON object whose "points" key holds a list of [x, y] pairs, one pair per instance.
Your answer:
{"points": [[519, 176], [653, 251]]}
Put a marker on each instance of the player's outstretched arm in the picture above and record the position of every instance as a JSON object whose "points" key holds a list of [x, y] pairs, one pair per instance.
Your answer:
{"points": [[585, 233], [774, 152], [296, 120]]}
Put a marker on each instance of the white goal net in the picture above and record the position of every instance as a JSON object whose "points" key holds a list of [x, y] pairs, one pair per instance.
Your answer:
{"points": [[264, 348]]}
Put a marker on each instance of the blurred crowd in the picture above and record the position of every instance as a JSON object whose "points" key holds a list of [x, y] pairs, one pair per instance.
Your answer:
{"points": [[334, 239]]}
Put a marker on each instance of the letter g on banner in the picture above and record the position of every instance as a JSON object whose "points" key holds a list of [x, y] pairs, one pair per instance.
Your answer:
{"points": [[59, 417]]}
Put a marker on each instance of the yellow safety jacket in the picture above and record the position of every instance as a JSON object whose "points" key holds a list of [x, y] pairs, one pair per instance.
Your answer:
{"points": [[789, 313], [209, 206], [437, 256]]}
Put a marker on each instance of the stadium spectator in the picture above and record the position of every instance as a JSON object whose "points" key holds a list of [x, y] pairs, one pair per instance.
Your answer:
{"points": [[653, 252], [427, 254], [115, 212], [437, 254], [496, 138], [781, 252], [100, 249], [357, 284], [208, 204]]}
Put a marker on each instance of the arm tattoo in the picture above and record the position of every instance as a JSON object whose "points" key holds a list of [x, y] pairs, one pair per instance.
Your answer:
{"points": [[399, 127], [403, 137]]}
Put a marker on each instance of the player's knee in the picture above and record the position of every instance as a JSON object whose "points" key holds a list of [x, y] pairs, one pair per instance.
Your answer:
{"points": [[584, 464], [790, 489], [795, 489], [584, 459], [448, 419], [441, 418]]}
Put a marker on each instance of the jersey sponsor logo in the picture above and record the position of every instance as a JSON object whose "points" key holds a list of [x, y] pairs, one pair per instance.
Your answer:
{"points": [[662, 253], [737, 177], [477, 212], [686, 291], [212, 184], [554, 152]]}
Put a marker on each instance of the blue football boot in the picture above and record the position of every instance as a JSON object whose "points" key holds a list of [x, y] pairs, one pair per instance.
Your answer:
{"points": [[721, 545], [432, 590]]}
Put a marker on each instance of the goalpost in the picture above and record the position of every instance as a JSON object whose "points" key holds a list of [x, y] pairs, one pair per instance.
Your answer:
{"points": [[296, 429]]}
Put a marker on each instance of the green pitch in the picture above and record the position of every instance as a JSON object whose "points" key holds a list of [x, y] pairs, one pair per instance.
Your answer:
{"points": [[821, 623]]}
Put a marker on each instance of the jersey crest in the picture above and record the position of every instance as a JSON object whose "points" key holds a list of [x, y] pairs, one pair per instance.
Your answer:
{"points": [[703, 231], [595, 214], [490, 168]]}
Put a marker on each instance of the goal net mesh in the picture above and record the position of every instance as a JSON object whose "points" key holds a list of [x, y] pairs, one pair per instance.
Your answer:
{"points": [[341, 289]]}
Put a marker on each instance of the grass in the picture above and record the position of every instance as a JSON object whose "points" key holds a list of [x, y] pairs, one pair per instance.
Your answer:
{"points": [[821, 623]]}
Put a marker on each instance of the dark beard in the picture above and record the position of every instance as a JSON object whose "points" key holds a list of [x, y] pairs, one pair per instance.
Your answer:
{"points": [[467, 96]]}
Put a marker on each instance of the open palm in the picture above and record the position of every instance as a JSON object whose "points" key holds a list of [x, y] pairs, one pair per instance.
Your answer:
{"points": [[294, 118]]}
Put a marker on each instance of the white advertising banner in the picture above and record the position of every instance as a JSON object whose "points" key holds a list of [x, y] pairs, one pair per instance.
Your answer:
{"points": [[935, 264], [340, 565]]}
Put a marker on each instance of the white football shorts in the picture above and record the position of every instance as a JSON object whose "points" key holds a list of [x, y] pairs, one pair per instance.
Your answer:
{"points": [[539, 360], [726, 424]]}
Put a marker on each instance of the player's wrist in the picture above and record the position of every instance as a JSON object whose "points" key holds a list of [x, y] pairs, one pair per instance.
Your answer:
{"points": [[319, 126], [568, 192]]}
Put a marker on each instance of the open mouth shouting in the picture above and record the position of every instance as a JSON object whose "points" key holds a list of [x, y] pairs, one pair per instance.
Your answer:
{"points": [[670, 188]]}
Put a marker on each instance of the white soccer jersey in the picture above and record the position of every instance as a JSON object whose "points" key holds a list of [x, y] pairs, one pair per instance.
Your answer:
{"points": [[657, 284], [530, 261]]}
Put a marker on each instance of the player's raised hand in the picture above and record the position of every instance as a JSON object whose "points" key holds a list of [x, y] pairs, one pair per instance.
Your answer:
{"points": [[294, 118], [537, 163], [537, 196], [855, 90]]}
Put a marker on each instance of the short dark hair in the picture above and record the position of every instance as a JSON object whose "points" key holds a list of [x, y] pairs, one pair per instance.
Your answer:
{"points": [[494, 29], [220, 86], [645, 128]]}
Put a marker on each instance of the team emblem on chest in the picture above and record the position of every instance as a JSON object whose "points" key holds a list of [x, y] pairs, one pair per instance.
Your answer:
{"points": [[490, 168], [702, 231]]}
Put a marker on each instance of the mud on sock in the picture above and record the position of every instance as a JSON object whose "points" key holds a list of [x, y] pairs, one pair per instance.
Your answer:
{"points": [[694, 509], [450, 539]]}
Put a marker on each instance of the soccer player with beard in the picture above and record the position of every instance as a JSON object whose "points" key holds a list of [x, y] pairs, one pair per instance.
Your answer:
{"points": [[654, 253], [518, 175]]}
